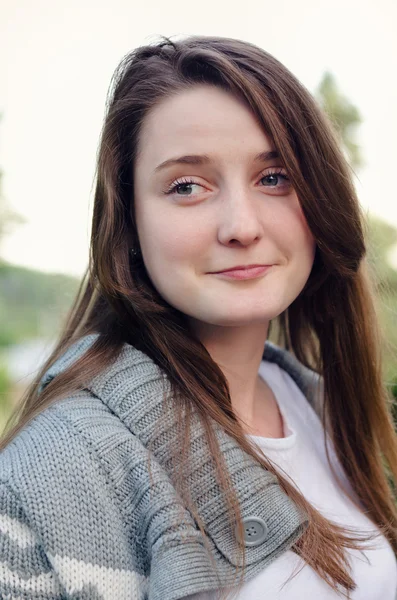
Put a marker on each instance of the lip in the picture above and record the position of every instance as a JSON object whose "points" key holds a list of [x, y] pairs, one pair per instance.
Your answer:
{"points": [[239, 268], [243, 273]]}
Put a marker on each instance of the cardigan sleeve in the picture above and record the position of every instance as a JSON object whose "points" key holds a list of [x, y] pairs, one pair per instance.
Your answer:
{"points": [[25, 569]]}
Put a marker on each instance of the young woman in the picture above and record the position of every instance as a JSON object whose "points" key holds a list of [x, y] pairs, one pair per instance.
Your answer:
{"points": [[168, 448]]}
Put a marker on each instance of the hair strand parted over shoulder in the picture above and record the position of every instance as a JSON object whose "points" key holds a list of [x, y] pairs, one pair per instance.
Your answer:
{"points": [[331, 327]]}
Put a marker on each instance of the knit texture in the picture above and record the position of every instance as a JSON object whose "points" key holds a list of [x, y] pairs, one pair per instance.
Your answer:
{"points": [[80, 517]]}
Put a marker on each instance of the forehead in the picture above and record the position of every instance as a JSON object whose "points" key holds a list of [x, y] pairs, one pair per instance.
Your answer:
{"points": [[201, 119]]}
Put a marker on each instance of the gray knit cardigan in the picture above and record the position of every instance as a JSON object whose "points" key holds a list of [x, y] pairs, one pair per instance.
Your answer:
{"points": [[79, 518]]}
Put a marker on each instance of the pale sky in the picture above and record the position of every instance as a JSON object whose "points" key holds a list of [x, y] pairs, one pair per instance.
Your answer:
{"points": [[56, 61]]}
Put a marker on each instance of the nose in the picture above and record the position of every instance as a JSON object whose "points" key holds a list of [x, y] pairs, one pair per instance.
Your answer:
{"points": [[239, 218]]}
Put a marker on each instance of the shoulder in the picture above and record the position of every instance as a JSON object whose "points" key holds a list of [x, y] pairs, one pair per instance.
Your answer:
{"points": [[66, 447], [74, 459], [89, 439]]}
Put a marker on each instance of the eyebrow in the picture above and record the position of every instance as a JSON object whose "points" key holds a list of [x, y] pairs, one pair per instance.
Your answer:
{"points": [[204, 159]]}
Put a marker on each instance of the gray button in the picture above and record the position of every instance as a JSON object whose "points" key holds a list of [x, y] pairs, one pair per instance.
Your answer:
{"points": [[255, 531]]}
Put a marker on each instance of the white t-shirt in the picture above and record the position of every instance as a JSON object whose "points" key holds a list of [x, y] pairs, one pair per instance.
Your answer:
{"points": [[301, 454]]}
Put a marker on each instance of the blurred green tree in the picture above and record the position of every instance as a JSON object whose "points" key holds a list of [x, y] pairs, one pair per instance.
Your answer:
{"points": [[343, 114], [381, 236]]}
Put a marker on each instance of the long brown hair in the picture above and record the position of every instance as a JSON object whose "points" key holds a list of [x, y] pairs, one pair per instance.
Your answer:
{"points": [[331, 327]]}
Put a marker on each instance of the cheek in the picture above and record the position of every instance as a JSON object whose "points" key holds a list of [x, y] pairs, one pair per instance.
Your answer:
{"points": [[171, 236], [295, 231]]}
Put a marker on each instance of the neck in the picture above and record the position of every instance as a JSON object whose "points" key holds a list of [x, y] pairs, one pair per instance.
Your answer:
{"points": [[238, 352]]}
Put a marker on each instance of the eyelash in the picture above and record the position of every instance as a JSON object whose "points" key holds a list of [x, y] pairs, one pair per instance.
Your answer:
{"points": [[185, 181]]}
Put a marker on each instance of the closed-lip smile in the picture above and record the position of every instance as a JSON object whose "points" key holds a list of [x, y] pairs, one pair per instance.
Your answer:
{"points": [[240, 267]]}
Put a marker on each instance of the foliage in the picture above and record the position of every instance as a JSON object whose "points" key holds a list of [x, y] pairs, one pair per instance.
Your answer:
{"points": [[5, 381], [32, 303], [381, 238], [5, 388], [343, 114]]}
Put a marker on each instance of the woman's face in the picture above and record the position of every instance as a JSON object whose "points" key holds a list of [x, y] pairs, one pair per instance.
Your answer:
{"points": [[206, 201]]}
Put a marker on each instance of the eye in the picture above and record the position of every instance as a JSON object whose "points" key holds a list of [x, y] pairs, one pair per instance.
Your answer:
{"points": [[182, 187], [276, 179]]}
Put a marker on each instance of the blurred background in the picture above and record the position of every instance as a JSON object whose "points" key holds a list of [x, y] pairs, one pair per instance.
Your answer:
{"points": [[56, 62]]}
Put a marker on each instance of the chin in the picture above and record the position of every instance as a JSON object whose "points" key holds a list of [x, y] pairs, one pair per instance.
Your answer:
{"points": [[228, 320]]}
